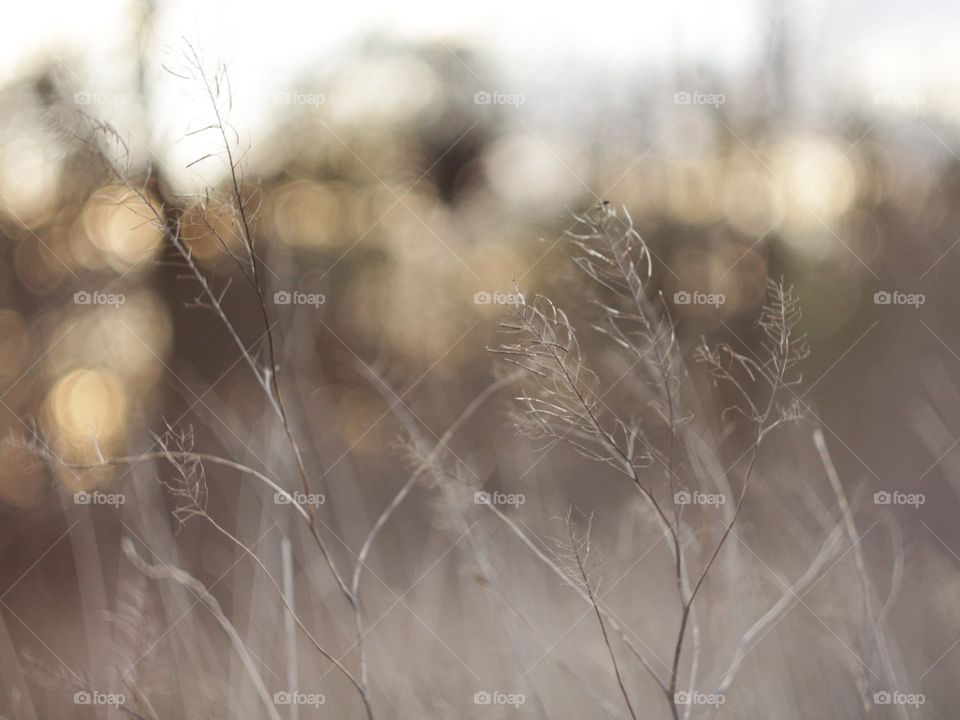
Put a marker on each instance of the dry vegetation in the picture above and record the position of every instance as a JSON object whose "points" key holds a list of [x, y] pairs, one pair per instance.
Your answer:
{"points": [[680, 443]]}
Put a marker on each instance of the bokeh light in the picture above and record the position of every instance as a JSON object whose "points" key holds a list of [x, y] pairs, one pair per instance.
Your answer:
{"points": [[87, 414], [122, 227]]}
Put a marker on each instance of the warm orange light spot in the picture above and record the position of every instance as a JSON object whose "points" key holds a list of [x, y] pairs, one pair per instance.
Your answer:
{"points": [[88, 411], [307, 214], [122, 227]]}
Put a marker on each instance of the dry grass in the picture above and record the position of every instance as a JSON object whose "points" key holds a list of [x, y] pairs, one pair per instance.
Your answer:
{"points": [[646, 450]]}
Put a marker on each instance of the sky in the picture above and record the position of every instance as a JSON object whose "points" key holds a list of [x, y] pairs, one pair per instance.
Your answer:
{"points": [[864, 50], [608, 33], [883, 43]]}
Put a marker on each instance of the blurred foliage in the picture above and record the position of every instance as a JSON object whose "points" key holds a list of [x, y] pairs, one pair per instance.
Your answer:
{"points": [[386, 186]]}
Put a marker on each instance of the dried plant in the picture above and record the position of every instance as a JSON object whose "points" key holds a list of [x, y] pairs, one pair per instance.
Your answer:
{"points": [[573, 555], [188, 487], [562, 398], [776, 370], [564, 403]]}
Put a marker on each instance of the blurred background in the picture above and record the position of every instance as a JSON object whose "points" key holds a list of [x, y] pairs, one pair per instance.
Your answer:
{"points": [[409, 165]]}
